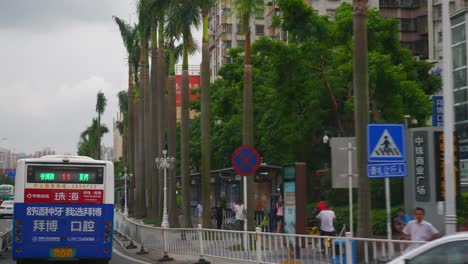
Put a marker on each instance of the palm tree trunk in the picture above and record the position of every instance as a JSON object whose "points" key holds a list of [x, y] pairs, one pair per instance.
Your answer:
{"points": [[185, 137], [247, 126], [361, 113], [205, 126], [98, 149], [131, 138], [160, 105], [140, 206], [153, 144], [172, 142], [142, 120]]}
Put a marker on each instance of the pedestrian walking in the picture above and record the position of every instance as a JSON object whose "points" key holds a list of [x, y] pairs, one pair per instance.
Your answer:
{"points": [[327, 221], [238, 208], [199, 213], [219, 214], [279, 215], [401, 220], [419, 229]]}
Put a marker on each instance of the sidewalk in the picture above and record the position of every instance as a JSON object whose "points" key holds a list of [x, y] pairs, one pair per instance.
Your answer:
{"points": [[155, 255]]}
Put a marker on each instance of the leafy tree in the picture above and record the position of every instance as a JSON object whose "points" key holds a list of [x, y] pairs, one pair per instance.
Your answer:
{"points": [[303, 88]]}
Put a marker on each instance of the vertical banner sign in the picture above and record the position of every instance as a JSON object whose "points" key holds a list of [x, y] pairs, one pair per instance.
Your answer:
{"points": [[437, 111], [420, 152], [440, 164], [290, 207]]}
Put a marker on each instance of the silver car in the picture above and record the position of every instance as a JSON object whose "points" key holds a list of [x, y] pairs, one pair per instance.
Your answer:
{"points": [[6, 208]]}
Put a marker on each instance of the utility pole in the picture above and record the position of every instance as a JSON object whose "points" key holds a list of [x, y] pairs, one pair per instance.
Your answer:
{"points": [[361, 113]]}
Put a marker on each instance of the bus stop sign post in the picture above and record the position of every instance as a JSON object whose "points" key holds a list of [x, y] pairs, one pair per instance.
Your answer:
{"points": [[245, 161]]}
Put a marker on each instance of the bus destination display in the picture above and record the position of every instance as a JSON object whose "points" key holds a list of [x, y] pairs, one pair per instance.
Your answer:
{"points": [[58, 174]]}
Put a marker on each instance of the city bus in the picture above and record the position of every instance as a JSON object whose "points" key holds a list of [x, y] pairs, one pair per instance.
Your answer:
{"points": [[64, 210], [6, 191]]}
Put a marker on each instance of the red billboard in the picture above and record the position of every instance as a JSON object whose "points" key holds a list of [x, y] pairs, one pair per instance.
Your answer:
{"points": [[194, 82]]}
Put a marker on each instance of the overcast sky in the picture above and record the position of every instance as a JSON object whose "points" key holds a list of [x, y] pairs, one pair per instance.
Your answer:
{"points": [[55, 56]]}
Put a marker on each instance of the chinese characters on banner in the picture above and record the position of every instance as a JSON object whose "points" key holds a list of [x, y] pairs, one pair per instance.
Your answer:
{"points": [[437, 111], [420, 149], [440, 164], [63, 196]]}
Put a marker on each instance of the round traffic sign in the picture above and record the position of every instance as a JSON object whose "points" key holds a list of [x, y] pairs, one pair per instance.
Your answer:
{"points": [[245, 160]]}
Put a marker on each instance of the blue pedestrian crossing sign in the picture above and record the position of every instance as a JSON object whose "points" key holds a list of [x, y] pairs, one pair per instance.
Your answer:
{"points": [[386, 152], [386, 143]]}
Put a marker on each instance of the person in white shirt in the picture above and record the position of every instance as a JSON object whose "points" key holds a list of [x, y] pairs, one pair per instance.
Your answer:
{"points": [[238, 209], [420, 230], [199, 213], [327, 219]]}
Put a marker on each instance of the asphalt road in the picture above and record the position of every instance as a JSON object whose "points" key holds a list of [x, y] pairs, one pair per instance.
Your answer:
{"points": [[117, 258]]}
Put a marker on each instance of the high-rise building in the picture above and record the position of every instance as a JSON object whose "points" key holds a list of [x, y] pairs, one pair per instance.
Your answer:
{"points": [[225, 33], [118, 138], [44, 152], [107, 153], [413, 18]]}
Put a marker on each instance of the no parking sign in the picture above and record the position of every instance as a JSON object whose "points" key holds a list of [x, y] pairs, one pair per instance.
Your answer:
{"points": [[245, 160]]}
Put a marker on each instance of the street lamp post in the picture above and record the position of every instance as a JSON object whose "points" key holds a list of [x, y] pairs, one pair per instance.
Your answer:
{"points": [[165, 163], [125, 178]]}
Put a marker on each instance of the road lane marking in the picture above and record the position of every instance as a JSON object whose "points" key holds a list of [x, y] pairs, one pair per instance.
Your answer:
{"points": [[129, 258]]}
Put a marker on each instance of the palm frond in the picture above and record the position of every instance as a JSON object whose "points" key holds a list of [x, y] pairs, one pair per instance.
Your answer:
{"points": [[101, 103], [126, 32]]}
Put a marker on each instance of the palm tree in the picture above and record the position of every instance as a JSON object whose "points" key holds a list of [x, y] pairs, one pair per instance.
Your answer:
{"points": [[245, 10], [205, 6], [100, 107], [130, 39], [172, 33], [158, 66], [90, 137], [142, 158], [184, 15]]}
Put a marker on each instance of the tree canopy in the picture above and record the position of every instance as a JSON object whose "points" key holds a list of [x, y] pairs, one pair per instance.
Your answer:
{"points": [[303, 88]]}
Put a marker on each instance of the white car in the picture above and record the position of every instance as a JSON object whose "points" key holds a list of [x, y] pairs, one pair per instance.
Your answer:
{"points": [[451, 249], [6, 208]]}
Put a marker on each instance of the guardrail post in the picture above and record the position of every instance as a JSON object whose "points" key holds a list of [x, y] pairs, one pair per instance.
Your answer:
{"points": [[258, 244], [349, 249], [166, 257], [202, 260]]}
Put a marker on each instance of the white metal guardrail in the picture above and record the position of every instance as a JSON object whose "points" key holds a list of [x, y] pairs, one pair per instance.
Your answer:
{"points": [[261, 247]]}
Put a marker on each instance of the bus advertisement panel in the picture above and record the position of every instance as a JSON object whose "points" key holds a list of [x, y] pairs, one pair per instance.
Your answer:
{"points": [[63, 210]]}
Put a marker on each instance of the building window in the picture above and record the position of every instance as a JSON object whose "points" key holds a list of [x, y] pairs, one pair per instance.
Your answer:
{"points": [[331, 13], [461, 112], [408, 25], [228, 28], [439, 38], [459, 78], [227, 44], [239, 31], [241, 43], [260, 29], [459, 56], [458, 34], [460, 96]]}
